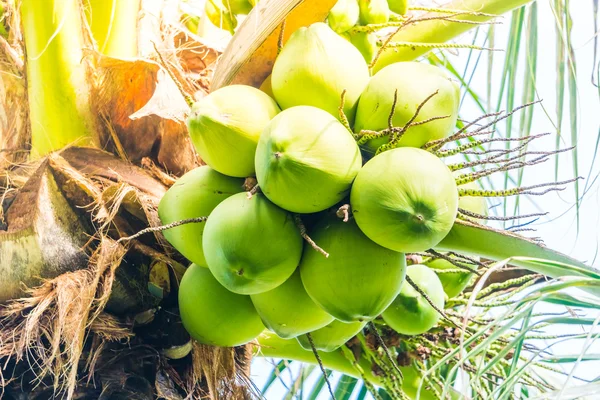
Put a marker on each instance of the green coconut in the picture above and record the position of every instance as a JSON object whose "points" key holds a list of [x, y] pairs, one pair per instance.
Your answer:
{"points": [[328, 65], [266, 86], [331, 336], [288, 311], [398, 6], [250, 244], [238, 6], [219, 15], [405, 199], [343, 15], [212, 314], [225, 127], [306, 160], [374, 11], [194, 195], [366, 43], [453, 282], [411, 379], [414, 82], [410, 313], [358, 280]]}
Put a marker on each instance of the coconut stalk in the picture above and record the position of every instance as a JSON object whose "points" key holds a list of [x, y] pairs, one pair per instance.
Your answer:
{"points": [[437, 31], [110, 22], [57, 75]]}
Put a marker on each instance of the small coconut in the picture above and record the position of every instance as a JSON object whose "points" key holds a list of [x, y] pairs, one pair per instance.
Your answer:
{"points": [[220, 16], [411, 380], [374, 11], [405, 199], [306, 160], [238, 7], [414, 82], [213, 315], [225, 127], [288, 311], [455, 282], [398, 6], [411, 313], [266, 86], [358, 280], [328, 65], [250, 244], [194, 195], [331, 336], [343, 15]]}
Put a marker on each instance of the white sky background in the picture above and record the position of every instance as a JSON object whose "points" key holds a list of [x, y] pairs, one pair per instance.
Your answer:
{"points": [[558, 229]]}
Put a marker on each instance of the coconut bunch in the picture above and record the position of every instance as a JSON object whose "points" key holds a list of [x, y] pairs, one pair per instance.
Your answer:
{"points": [[315, 189]]}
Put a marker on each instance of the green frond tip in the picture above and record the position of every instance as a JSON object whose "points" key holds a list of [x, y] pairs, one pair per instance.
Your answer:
{"points": [[483, 241]]}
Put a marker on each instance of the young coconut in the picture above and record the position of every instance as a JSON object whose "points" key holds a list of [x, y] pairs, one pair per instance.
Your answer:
{"points": [[453, 282], [328, 66], [266, 86], [411, 380], [374, 11], [358, 280], [288, 311], [415, 82], [405, 200], [213, 315], [398, 6], [332, 336], [220, 16], [225, 127], [194, 195], [343, 15], [410, 313], [306, 160], [250, 244]]}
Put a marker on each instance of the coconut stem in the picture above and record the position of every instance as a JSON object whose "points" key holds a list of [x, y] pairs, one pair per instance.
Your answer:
{"points": [[162, 228], [342, 114], [253, 191], [422, 293], [440, 46], [393, 111], [454, 262], [305, 236], [343, 212], [280, 38], [554, 186], [386, 350], [316, 353], [498, 218], [396, 136], [350, 357]]}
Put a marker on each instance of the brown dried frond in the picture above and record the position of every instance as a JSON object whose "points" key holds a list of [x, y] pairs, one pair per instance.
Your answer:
{"points": [[49, 328]]}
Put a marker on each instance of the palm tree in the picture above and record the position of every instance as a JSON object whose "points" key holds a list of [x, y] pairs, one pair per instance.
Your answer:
{"points": [[92, 137]]}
